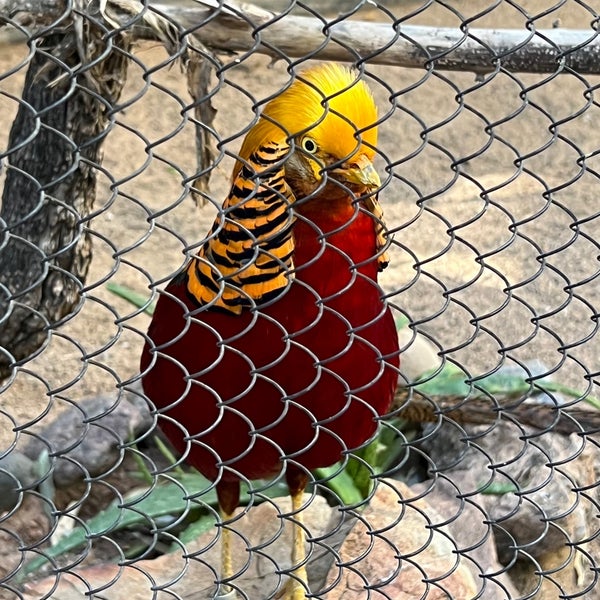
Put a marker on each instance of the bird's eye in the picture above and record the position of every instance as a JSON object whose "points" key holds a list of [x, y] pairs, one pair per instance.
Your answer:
{"points": [[309, 145]]}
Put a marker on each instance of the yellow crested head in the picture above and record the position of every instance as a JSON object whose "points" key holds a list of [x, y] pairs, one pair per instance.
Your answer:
{"points": [[327, 104]]}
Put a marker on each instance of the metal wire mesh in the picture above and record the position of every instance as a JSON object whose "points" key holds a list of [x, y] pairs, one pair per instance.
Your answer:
{"points": [[483, 479]]}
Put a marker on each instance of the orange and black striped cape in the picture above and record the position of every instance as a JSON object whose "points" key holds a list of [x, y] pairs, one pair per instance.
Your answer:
{"points": [[248, 256]]}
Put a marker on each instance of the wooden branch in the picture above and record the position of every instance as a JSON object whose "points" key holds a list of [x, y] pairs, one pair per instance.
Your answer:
{"points": [[198, 77], [53, 157], [406, 46], [235, 30], [480, 51], [477, 410], [444, 48]]}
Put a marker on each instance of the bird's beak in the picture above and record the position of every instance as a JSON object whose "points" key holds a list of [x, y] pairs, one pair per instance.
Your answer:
{"points": [[359, 172]]}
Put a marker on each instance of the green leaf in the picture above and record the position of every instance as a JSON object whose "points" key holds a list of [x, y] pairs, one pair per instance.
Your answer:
{"points": [[198, 527], [182, 493], [550, 386], [361, 474], [500, 488], [401, 321], [451, 382], [379, 455], [139, 508], [341, 483], [390, 447], [137, 299], [168, 454]]}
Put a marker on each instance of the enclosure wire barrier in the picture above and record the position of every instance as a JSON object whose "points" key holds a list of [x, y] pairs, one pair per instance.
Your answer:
{"points": [[171, 428]]}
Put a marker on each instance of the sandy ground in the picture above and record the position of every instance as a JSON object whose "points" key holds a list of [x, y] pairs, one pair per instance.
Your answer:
{"points": [[466, 262]]}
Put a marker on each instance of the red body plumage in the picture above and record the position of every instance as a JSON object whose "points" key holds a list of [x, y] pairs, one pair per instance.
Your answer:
{"points": [[291, 373]]}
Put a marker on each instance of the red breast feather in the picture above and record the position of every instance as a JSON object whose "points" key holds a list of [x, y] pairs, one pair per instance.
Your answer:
{"points": [[301, 378]]}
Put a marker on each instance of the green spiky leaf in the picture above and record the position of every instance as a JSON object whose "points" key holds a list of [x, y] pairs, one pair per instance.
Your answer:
{"points": [[137, 299]]}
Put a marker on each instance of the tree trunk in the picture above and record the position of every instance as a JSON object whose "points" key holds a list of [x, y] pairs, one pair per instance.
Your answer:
{"points": [[55, 149]]}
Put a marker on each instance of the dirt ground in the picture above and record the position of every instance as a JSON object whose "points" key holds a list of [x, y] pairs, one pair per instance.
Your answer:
{"points": [[495, 262]]}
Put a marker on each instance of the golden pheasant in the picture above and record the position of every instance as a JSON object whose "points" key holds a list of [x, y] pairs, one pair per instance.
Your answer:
{"points": [[272, 351]]}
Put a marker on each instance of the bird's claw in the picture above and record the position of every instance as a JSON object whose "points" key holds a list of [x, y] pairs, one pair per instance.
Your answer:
{"points": [[225, 592], [292, 590]]}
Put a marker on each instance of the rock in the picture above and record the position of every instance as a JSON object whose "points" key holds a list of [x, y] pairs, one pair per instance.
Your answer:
{"points": [[17, 473], [397, 523], [438, 539], [419, 356], [570, 563], [27, 527], [473, 536], [261, 548], [87, 437], [393, 548], [542, 524]]}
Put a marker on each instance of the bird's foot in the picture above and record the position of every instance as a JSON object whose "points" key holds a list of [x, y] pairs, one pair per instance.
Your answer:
{"points": [[292, 590], [225, 592]]}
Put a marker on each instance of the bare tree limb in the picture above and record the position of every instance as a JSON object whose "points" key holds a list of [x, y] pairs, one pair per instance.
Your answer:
{"points": [[477, 50], [246, 27], [53, 158], [54, 153], [199, 70], [479, 410]]}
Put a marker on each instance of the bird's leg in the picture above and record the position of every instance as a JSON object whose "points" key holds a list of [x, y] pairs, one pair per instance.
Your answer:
{"points": [[297, 585], [226, 560], [228, 494], [299, 549]]}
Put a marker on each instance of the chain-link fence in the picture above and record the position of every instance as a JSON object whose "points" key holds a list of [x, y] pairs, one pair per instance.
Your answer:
{"points": [[272, 355]]}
